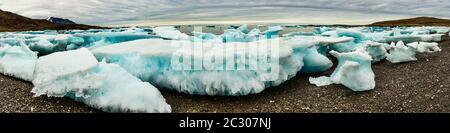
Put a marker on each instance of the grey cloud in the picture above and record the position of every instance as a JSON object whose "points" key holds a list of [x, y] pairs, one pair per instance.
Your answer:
{"points": [[113, 11]]}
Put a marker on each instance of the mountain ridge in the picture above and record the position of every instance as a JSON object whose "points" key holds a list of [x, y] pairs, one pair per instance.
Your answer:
{"points": [[10, 22]]}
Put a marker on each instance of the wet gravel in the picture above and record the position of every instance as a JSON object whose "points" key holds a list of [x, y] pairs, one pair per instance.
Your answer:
{"points": [[420, 86]]}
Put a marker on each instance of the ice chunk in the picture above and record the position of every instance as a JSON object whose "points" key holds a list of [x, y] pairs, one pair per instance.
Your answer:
{"points": [[346, 47], [431, 38], [321, 81], [233, 35], [272, 31], [47, 44], [353, 71], [320, 30], [18, 61], [292, 34], [403, 38], [243, 28], [376, 50], [254, 34], [424, 47], [378, 36], [204, 36], [108, 87], [63, 63], [357, 35], [170, 33], [324, 42], [156, 61], [13, 41], [96, 40], [313, 61], [401, 53]]}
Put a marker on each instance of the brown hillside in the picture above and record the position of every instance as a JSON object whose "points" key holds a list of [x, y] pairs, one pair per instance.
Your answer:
{"points": [[13, 22], [419, 21]]}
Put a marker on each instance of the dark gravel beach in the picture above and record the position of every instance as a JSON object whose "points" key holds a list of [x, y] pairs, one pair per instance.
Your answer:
{"points": [[420, 86]]}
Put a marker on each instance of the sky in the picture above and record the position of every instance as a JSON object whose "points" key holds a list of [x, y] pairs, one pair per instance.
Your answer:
{"points": [[172, 12]]}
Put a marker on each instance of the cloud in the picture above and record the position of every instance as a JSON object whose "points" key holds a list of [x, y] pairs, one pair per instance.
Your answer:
{"points": [[287, 11]]}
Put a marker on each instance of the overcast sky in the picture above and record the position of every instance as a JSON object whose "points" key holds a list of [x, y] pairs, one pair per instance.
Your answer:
{"points": [[153, 12]]}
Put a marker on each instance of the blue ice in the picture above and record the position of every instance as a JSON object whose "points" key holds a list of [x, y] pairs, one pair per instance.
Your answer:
{"points": [[108, 87]]}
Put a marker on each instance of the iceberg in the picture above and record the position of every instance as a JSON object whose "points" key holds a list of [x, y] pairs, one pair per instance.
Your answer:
{"points": [[378, 36], [401, 53], [293, 34], [13, 41], [425, 47], [376, 50], [47, 44], [96, 40], [272, 31], [234, 35], [357, 35], [244, 29], [158, 62], [320, 30], [314, 62], [431, 38], [413, 38], [204, 36], [18, 61], [170, 33], [323, 43], [78, 75], [346, 47], [353, 71]]}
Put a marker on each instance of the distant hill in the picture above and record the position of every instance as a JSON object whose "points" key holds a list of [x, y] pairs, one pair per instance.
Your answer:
{"points": [[57, 20], [419, 21], [13, 22]]}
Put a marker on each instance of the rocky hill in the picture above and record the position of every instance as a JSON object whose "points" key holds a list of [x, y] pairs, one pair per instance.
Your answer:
{"points": [[13, 22]]}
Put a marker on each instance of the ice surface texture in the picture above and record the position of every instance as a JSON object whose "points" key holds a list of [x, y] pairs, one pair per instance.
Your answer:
{"points": [[17, 61], [151, 60], [77, 74]]}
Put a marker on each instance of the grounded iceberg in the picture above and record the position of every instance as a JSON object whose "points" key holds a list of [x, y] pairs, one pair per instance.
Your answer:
{"points": [[353, 71], [154, 61], [424, 47], [401, 53], [108, 87], [17, 61], [170, 33]]}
